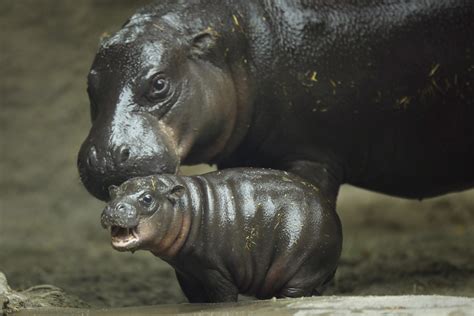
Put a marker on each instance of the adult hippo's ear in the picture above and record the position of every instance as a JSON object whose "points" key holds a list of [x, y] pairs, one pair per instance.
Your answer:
{"points": [[175, 193], [203, 42]]}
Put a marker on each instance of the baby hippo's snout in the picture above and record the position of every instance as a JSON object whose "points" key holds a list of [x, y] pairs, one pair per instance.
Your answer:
{"points": [[122, 219], [121, 214]]}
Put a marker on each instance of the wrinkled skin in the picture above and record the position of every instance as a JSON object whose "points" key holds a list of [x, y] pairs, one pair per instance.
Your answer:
{"points": [[278, 242], [378, 94]]}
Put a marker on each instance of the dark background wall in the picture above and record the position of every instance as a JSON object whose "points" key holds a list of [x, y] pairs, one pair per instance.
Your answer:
{"points": [[49, 225]]}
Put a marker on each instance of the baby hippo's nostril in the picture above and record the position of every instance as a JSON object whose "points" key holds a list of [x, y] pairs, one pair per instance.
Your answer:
{"points": [[121, 207], [92, 160]]}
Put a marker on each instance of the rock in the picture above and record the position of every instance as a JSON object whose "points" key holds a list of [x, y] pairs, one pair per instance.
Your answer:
{"points": [[39, 296]]}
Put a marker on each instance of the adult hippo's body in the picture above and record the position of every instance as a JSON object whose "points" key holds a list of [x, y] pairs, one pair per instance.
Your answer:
{"points": [[378, 94]]}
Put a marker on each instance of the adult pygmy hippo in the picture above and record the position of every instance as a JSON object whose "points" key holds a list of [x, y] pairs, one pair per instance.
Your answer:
{"points": [[378, 94], [251, 231]]}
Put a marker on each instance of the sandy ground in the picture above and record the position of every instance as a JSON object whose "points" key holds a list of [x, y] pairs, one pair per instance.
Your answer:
{"points": [[49, 225]]}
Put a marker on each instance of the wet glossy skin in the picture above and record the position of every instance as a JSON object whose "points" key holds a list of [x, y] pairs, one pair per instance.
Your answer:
{"points": [[378, 94], [258, 232]]}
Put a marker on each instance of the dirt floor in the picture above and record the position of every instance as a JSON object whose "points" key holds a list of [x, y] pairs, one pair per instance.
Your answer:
{"points": [[49, 225]]}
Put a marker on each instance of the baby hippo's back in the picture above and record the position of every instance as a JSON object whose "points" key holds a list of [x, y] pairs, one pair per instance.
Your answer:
{"points": [[261, 228]]}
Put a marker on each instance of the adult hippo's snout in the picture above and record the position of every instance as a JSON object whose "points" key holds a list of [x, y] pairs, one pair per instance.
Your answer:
{"points": [[123, 150]]}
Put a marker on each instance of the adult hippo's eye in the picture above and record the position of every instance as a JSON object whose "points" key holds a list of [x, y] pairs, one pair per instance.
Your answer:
{"points": [[146, 199], [159, 89]]}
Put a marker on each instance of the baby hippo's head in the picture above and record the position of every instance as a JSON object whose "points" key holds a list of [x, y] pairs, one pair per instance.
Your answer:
{"points": [[142, 213]]}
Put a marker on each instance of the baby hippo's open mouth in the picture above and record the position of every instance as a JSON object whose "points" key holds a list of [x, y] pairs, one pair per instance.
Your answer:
{"points": [[124, 239]]}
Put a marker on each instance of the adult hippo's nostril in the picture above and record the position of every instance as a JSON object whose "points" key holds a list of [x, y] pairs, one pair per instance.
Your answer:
{"points": [[92, 160], [124, 154], [121, 155], [121, 207]]}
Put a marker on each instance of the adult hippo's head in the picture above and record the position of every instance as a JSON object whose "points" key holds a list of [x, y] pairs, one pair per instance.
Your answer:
{"points": [[162, 93]]}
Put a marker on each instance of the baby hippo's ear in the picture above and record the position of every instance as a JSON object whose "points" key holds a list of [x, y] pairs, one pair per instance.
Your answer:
{"points": [[113, 189], [175, 193]]}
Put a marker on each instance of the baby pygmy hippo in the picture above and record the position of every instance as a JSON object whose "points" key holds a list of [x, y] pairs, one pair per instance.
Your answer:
{"points": [[256, 232]]}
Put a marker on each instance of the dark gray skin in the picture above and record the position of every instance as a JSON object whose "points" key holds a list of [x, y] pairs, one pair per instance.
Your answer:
{"points": [[257, 232], [378, 94]]}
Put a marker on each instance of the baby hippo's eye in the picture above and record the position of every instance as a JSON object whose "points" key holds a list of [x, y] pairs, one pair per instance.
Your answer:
{"points": [[146, 199]]}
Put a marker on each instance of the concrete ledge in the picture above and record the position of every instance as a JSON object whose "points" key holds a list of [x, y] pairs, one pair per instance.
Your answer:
{"points": [[430, 305]]}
